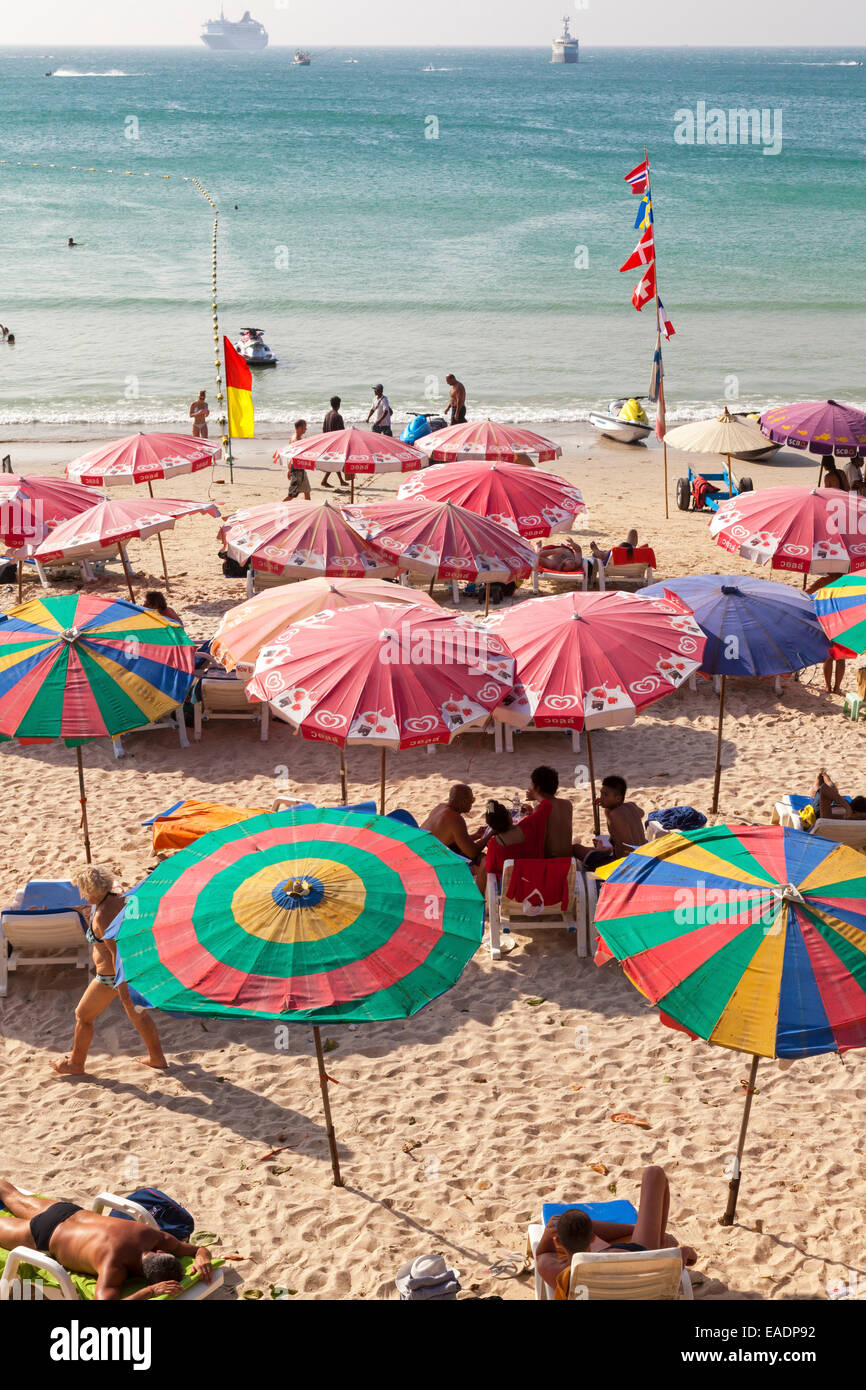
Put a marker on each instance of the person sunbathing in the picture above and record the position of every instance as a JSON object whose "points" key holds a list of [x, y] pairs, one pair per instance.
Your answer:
{"points": [[564, 556], [88, 1243], [624, 826], [447, 822], [573, 1233], [826, 797], [630, 544]]}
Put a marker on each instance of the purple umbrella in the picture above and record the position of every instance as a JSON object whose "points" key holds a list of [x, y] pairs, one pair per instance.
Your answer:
{"points": [[822, 427]]}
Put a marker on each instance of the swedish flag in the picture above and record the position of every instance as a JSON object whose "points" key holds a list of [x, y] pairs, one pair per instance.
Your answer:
{"points": [[644, 217]]}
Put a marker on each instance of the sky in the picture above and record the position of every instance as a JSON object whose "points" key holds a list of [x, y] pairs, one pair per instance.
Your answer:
{"points": [[81, 23]]}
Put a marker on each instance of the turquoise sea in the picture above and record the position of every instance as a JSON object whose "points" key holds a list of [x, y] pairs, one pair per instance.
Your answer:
{"points": [[369, 251]]}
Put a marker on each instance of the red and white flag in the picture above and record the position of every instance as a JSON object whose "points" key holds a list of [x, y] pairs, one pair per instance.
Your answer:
{"points": [[638, 179], [665, 325], [643, 253], [645, 288]]}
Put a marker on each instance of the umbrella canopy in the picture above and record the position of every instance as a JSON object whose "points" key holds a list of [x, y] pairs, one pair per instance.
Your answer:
{"points": [[593, 661], [302, 540], [722, 434], [817, 530], [387, 674], [112, 522], [753, 627], [252, 625], [142, 458], [487, 440], [841, 610], [31, 505], [443, 540], [352, 451], [532, 504], [78, 667], [822, 427]]}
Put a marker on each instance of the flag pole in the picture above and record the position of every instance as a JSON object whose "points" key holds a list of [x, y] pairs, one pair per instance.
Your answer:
{"points": [[660, 403]]}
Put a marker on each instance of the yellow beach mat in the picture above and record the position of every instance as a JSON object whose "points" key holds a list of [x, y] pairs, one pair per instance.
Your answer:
{"points": [[194, 819]]}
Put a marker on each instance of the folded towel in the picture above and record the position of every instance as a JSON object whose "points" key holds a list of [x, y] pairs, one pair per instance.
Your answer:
{"points": [[539, 884]]}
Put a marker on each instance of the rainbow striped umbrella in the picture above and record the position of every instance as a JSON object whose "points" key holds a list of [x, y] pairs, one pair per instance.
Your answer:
{"points": [[308, 917], [77, 667], [751, 937], [841, 610]]}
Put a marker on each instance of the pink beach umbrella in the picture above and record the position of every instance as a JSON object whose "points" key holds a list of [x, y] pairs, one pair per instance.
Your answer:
{"points": [[142, 458], [111, 522], [532, 504], [444, 541], [302, 540], [383, 674], [485, 439], [594, 661], [256, 623], [817, 530], [352, 451], [823, 427], [31, 505]]}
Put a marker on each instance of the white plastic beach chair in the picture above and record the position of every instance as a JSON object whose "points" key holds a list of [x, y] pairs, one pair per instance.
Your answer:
{"points": [[175, 720], [31, 932], [224, 698], [504, 735], [258, 580], [619, 1275], [89, 567], [637, 571], [506, 914]]}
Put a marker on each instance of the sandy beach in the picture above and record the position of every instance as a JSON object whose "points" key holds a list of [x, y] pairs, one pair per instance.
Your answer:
{"points": [[457, 1124]]}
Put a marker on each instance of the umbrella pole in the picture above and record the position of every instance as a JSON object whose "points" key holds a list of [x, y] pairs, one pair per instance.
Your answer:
{"points": [[127, 573], [159, 539], [82, 796], [730, 483], [718, 772], [382, 784], [734, 1188], [667, 512], [20, 581], [596, 821], [344, 787], [326, 1104], [486, 599], [432, 582], [351, 487]]}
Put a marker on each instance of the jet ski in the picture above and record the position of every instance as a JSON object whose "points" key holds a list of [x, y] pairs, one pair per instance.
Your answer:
{"points": [[421, 425], [626, 421], [253, 348]]}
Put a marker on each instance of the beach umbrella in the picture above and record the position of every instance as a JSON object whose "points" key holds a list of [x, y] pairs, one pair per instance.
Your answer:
{"points": [[750, 937], [250, 626], [307, 916], [31, 505], [444, 541], [78, 668], [722, 434], [827, 428], [112, 522], [594, 661], [807, 530], [389, 675], [841, 611], [753, 627], [532, 504], [302, 540], [485, 439], [353, 452]]}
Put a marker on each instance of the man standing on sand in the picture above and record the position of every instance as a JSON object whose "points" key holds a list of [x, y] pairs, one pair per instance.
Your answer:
{"points": [[380, 410], [447, 822], [298, 480], [332, 422], [624, 826], [456, 400], [198, 413]]}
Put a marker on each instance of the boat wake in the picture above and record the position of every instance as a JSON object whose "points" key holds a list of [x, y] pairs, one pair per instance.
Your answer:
{"points": [[112, 72]]}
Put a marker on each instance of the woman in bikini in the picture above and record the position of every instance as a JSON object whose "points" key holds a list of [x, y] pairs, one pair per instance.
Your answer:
{"points": [[96, 885]]}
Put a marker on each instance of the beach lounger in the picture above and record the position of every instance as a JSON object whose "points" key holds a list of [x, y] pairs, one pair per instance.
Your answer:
{"points": [[224, 697], [560, 881], [786, 812], [47, 915], [56, 1283], [635, 569], [259, 580], [174, 721], [617, 1275], [504, 735], [89, 568], [565, 580]]}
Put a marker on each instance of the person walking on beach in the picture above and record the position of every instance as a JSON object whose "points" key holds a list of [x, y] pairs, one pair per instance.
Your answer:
{"points": [[298, 480], [198, 413], [456, 399], [333, 421], [380, 411], [96, 886]]}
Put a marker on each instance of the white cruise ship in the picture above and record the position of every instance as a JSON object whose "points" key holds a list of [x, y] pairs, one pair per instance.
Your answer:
{"points": [[565, 48], [236, 36]]}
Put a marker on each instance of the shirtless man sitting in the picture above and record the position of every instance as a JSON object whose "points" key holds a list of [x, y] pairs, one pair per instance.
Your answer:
{"points": [[573, 1232], [544, 804], [447, 822], [624, 826], [87, 1243]]}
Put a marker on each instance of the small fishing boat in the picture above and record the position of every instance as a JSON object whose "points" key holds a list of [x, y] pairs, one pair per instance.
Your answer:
{"points": [[614, 425], [253, 348], [755, 455], [301, 59]]}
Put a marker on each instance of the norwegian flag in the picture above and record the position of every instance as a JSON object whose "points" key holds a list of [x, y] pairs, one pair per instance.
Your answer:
{"points": [[643, 253], [645, 288], [638, 179], [665, 325]]}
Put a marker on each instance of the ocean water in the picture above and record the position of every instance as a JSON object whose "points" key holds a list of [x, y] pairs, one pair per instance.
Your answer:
{"points": [[370, 251]]}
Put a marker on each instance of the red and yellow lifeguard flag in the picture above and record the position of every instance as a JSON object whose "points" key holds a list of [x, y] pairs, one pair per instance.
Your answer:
{"points": [[239, 382]]}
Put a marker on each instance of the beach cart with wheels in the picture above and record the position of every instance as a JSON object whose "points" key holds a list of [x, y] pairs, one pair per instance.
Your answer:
{"points": [[702, 492]]}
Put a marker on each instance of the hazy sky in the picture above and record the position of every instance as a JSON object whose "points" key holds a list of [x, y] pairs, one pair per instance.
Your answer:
{"points": [[337, 22]]}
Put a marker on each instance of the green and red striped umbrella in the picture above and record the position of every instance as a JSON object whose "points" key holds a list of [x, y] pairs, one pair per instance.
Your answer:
{"points": [[841, 610]]}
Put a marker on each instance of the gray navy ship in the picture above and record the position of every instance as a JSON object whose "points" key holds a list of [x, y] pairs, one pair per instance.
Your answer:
{"points": [[234, 36], [565, 48]]}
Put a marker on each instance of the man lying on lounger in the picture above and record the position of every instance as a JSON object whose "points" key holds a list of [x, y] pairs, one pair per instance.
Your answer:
{"points": [[573, 1232], [87, 1243]]}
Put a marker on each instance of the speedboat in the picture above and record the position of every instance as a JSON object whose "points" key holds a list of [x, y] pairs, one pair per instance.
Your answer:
{"points": [[631, 427], [253, 348], [755, 455]]}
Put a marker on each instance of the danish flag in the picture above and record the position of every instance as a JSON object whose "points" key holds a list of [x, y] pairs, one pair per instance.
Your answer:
{"points": [[645, 288], [638, 179], [643, 253]]}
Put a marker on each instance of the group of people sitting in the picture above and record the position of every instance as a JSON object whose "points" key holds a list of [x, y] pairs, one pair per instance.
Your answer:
{"points": [[540, 829]]}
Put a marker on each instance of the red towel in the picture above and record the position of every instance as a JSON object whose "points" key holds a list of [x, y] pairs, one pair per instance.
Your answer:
{"points": [[547, 877], [640, 555]]}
